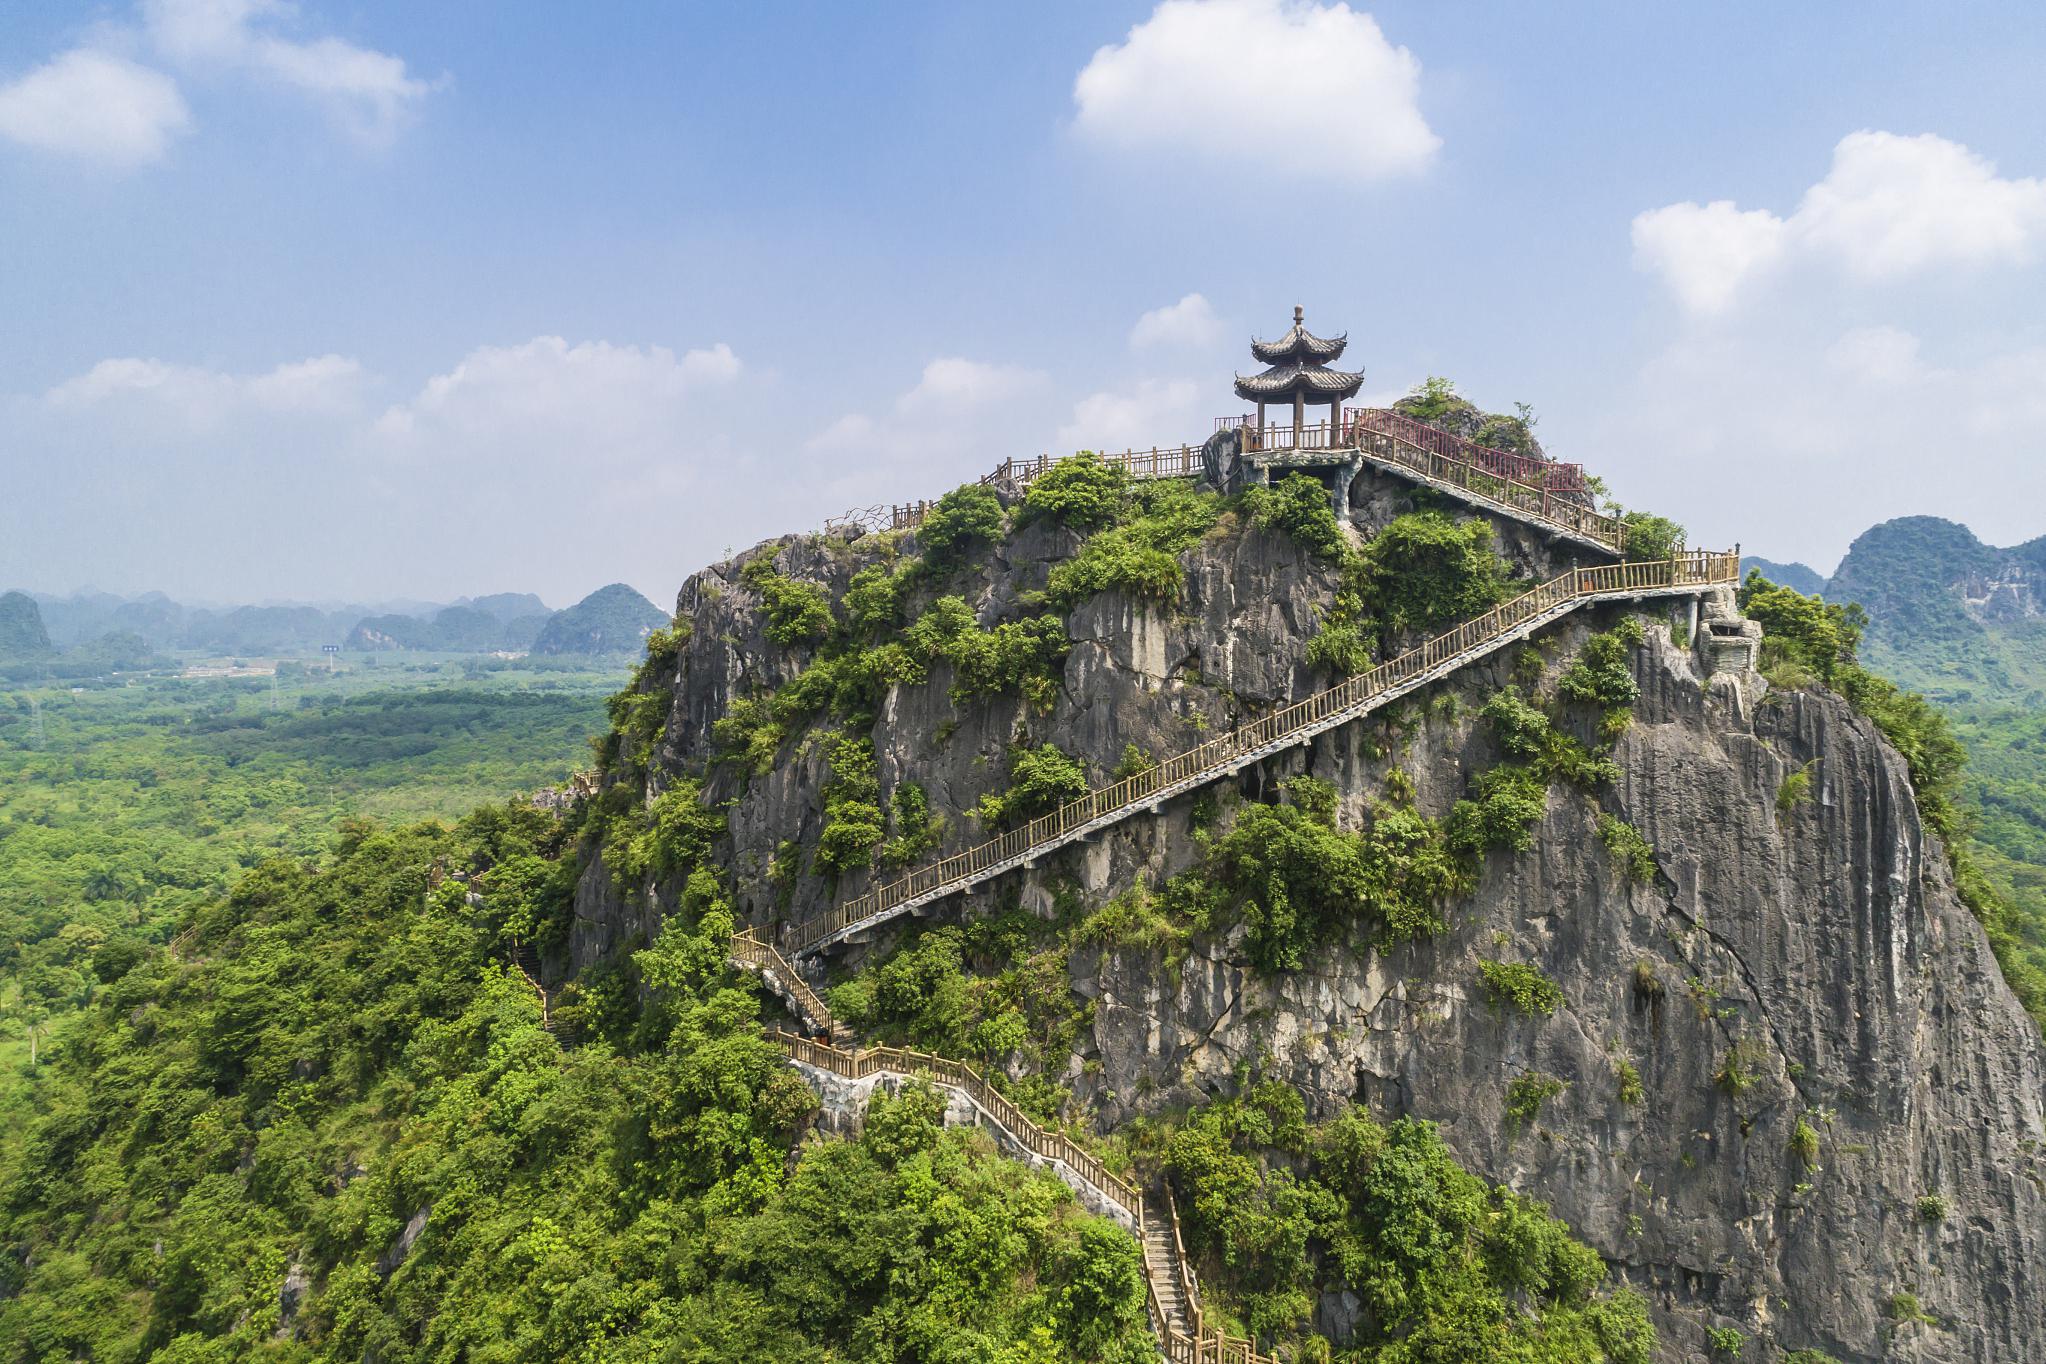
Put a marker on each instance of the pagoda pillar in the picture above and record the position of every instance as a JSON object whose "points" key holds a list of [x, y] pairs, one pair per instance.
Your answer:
{"points": [[1299, 415]]}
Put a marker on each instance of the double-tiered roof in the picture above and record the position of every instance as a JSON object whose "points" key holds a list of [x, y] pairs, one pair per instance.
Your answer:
{"points": [[1299, 369]]}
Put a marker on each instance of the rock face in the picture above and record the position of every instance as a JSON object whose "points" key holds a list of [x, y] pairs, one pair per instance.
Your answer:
{"points": [[1819, 943]]}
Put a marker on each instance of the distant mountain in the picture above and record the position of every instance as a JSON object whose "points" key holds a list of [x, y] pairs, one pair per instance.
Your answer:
{"points": [[611, 620], [1948, 614], [453, 629], [507, 607], [21, 628], [1799, 577]]}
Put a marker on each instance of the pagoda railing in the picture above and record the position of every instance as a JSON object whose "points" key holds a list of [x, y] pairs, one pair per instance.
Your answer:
{"points": [[1348, 700], [1203, 1345]]}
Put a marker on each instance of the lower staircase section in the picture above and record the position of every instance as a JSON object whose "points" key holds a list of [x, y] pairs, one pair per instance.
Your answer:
{"points": [[750, 953], [1172, 1294]]}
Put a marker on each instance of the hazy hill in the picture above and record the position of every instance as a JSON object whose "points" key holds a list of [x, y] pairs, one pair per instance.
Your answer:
{"points": [[21, 627], [611, 620], [1801, 577], [454, 629], [506, 607]]}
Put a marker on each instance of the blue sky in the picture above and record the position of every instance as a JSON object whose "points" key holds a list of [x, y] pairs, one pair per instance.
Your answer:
{"points": [[358, 299]]}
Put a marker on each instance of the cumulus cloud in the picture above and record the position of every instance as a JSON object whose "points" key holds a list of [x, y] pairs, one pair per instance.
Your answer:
{"points": [[953, 382], [1189, 322], [1890, 206], [1261, 86], [372, 93], [591, 401], [1154, 412], [199, 398], [94, 106]]}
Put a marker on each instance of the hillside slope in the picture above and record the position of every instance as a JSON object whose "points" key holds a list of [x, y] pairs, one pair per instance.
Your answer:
{"points": [[1575, 905]]}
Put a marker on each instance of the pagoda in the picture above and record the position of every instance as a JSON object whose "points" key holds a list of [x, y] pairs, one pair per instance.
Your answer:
{"points": [[1299, 373]]}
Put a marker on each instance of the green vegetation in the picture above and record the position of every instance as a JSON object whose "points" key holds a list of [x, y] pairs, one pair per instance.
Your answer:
{"points": [[1739, 1069], [1809, 1357], [1804, 1143], [1806, 640], [1298, 506], [1084, 492], [1794, 790], [852, 808], [1629, 1088], [1520, 985], [1652, 537], [1905, 1309], [1040, 780], [1526, 1095], [1635, 854], [1139, 553], [1427, 570], [336, 1086], [966, 517], [1931, 1208], [1726, 1341], [798, 612], [1278, 1211], [141, 803], [1297, 882]]}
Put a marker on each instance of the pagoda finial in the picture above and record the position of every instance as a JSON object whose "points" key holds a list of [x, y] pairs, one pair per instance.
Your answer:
{"points": [[1299, 313]]}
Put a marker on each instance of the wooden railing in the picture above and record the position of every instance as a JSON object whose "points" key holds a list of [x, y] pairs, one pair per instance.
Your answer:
{"points": [[1534, 470], [860, 1062], [1205, 1345], [1259, 738], [748, 950]]}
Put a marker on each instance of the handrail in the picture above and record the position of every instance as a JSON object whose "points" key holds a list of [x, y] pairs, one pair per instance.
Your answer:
{"points": [[1324, 710], [1387, 437], [1203, 1345], [861, 1062], [748, 949]]}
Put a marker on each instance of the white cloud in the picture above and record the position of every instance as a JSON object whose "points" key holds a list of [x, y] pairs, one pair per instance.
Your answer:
{"points": [[95, 106], [1705, 252], [952, 382], [1266, 86], [1189, 322], [370, 92], [201, 399], [590, 401], [1154, 412], [1883, 355], [1890, 206]]}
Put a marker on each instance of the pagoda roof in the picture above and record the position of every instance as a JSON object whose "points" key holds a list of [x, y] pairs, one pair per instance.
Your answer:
{"points": [[1299, 345], [1310, 381]]}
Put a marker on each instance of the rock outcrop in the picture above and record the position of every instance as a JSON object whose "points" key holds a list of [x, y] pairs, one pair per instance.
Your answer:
{"points": [[1818, 942]]}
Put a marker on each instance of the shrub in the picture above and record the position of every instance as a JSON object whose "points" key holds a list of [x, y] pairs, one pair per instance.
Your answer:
{"points": [[1635, 854], [797, 612], [1630, 1088], [1652, 537], [1526, 1095], [1040, 780], [1021, 656], [1135, 762], [1602, 674], [873, 603], [1522, 730], [917, 831], [1646, 983], [1083, 491], [1794, 791], [1508, 802], [1426, 569], [1140, 555], [1804, 1144], [1343, 643], [852, 809], [1809, 1356], [1739, 1068], [1520, 985], [966, 516], [1298, 506], [1725, 1340], [1931, 1208], [1905, 1308]]}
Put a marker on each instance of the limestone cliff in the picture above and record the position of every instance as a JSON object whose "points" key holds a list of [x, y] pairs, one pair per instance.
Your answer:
{"points": [[1821, 940]]}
